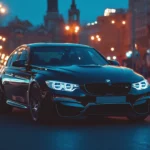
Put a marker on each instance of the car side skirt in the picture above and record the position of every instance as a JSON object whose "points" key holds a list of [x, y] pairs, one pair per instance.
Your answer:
{"points": [[16, 104]]}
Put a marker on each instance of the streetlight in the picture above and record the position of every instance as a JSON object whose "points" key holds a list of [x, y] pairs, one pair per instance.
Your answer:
{"points": [[113, 21], [129, 54], [2, 9], [97, 36], [72, 31], [6, 58], [92, 38], [67, 27], [1, 46], [77, 28], [99, 39], [3, 39], [114, 57], [3, 55], [108, 58], [112, 49], [123, 22]]}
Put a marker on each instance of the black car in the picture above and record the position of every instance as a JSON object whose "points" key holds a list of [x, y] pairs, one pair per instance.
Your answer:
{"points": [[71, 80]]}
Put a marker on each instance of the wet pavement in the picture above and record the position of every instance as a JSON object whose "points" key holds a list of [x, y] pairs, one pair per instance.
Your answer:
{"points": [[18, 132]]}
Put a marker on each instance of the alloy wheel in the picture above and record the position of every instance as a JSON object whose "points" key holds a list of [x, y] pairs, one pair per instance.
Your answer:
{"points": [[34, 105]]}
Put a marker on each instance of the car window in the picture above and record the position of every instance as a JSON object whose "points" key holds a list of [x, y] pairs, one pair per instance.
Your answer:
{"points": [[46, 57], [14, 57], [95, 57], [62, 56], [9, 61], [23, 55]]}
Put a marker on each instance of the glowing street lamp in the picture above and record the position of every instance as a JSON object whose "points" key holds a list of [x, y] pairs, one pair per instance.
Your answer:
{"points": [[97, 36], [4, 39], [1, 46], [99, 39], [114, 57], [129, 54], [5, 62], [113, 21], [72, 32], [6, 58], [3, 10], [92, 38], [3, 55], [67, 28], [112, 49], [108, 58], [123, 22], [77, 28]]}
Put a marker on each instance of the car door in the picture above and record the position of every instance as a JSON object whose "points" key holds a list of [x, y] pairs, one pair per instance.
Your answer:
{"points": [[18, 79], [21, 79], [7, 75]]}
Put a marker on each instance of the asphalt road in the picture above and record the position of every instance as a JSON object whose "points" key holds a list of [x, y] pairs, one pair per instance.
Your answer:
{"points": [[18, 132]]}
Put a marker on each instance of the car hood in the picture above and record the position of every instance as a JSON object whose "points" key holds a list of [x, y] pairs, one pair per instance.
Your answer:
{"points": [[93, 74]]}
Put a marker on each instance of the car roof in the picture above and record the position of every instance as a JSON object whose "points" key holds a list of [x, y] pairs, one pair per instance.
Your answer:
{"points": [[31, 45]]}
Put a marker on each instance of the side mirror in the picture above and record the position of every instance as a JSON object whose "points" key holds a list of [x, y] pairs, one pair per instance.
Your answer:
{"points": [[114, 63], [19, 63]]}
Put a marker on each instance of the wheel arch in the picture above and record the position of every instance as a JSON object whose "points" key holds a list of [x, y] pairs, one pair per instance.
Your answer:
{"points": [[29, 89]]}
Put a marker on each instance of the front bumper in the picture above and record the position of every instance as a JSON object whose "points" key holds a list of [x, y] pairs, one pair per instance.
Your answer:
{"points": [[83, 104]]}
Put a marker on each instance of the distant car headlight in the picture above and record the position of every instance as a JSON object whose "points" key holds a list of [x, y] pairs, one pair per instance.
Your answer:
{"points": [[62, 86], [141, 85]]}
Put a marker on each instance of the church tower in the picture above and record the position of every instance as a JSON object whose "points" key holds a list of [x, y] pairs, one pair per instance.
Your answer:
{"points": [[52, 5], [53, 20], [74, 14]]}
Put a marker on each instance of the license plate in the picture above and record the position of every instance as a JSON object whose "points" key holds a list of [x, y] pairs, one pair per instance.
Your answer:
{"points": [[111, 100]]}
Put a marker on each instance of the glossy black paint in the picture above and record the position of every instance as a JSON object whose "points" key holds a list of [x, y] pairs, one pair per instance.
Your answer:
{"points": [[18, 78], [19, 63], [114, 62]]}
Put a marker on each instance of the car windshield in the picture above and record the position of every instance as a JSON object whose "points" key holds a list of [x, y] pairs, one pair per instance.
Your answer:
{"points": [[64, 56]]}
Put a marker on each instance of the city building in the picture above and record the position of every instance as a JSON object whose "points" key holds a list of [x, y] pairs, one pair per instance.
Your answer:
{"points": [[74, 14], [73, 27], [54, 21], [19, 31], [109, 34], [109, 11], [114, 33], [87, 31], [140, 12]]}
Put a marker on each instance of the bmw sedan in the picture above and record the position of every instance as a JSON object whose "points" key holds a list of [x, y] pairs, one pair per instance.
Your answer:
{"points": [[71, 80]]}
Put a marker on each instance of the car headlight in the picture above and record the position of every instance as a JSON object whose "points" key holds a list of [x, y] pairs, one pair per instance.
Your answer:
{"points": [[141, 85], [62, 86]]}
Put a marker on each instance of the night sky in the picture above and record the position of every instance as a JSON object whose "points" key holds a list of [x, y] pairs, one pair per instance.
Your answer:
{"points": [[34, 10]]}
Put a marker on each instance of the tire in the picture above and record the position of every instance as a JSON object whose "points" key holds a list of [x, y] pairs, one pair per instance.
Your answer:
{"points": [[41, 109], [136, 118], [4, 107]]}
